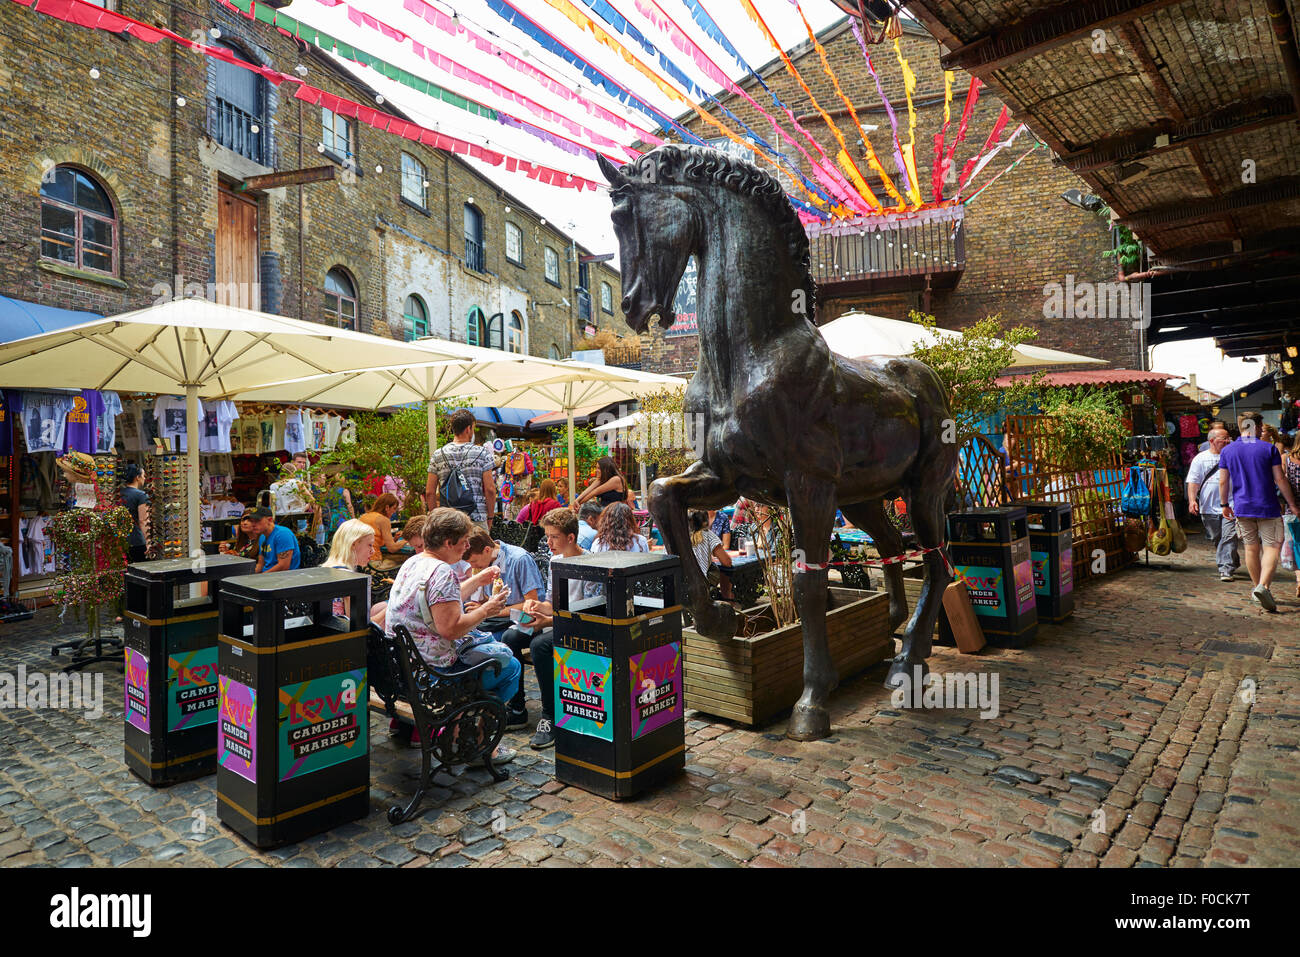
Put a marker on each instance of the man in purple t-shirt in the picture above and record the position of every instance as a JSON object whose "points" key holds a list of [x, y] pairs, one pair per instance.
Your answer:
{"points": [[1254, 469]]}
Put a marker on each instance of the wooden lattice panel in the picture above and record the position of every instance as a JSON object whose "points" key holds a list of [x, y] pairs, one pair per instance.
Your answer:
{"points": [[981, 475], [1094, 495]]}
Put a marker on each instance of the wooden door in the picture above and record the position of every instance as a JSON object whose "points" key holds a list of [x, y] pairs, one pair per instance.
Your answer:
{"points": [[236, 280]]}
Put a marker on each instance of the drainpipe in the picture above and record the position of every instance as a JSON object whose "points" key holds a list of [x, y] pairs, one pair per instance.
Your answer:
{"points": [[1284, 33], [446, 243]]}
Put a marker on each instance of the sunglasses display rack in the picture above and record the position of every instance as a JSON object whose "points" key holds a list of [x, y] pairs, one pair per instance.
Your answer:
{"points": [[167, 477]]}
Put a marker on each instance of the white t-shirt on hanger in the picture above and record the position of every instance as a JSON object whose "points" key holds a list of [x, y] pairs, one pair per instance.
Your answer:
{"points": [[215, 426], [170, 412], [295, 432]]}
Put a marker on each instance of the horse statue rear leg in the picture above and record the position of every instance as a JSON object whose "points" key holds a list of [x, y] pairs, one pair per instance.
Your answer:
{"points": [[929, 521], [669, 498], [812, 515]]}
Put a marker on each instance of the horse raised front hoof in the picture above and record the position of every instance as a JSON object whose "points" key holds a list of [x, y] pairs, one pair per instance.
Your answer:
{"points": [[717, 619], [809, 723], [903, 673]]}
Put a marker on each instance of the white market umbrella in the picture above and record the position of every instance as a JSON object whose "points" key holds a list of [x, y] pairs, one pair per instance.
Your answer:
{"points": [[483, 377], [857, 335], [199, 348]]}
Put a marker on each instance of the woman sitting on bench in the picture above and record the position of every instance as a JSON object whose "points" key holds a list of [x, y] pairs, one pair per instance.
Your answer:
{"points": [[352, 548], [427, 598]]}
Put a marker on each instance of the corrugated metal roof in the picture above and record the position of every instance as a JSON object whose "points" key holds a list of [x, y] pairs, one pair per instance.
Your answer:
{"points": [[1096, 377]]}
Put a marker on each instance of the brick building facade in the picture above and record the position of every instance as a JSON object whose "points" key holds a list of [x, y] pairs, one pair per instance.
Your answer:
{"points": [[119, 169], [1019, 234]]}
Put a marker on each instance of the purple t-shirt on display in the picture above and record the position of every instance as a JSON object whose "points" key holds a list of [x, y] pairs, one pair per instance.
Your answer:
{"points": [[1249, 463], [82, 432]]}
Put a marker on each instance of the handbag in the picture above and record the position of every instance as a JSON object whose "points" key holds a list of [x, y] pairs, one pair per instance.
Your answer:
{"points": [[1136, 498]]}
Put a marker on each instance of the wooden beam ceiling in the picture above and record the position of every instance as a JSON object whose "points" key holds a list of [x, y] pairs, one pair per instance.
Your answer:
{"points": [[1045, 30]]}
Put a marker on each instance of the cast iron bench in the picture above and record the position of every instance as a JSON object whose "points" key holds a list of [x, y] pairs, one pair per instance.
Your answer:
{"points": [[457, 720]]}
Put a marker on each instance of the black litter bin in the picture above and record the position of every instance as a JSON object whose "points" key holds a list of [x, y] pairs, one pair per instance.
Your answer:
{"points": [[170, 645], [990, 550], [1051, 548], [293, 749], [619, 703]]}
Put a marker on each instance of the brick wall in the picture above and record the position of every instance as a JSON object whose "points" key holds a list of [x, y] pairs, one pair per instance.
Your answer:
{"points": [[1020, 235], [163, 169]]}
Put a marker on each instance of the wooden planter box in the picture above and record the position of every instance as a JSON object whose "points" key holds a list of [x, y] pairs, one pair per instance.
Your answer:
{"points": [[752, 679]]}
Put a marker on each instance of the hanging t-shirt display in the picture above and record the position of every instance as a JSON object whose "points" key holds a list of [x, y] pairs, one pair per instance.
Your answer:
{"points": [[251, 430], [333, 428], [44, 417], [81, 431], [295, 432], [319, 432], [270, 441], [106, 429], [215, 426], [170, 412], [148, 426], [35, 550]]}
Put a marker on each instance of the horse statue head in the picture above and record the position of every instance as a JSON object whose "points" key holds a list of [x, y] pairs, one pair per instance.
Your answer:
{"points": [[677, 201]]}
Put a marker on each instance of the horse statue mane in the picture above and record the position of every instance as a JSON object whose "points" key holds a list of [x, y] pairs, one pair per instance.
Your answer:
{"points": [[699, 165]]}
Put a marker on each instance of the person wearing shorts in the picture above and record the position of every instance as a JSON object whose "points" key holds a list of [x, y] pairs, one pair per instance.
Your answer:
{"points": [[1252, 468]]}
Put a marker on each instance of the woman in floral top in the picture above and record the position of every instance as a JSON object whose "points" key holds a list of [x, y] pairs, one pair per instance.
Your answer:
{"points": [[445, 631]]}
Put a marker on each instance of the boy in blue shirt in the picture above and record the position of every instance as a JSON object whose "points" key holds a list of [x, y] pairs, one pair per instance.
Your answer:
{"points": [[277, 546]]}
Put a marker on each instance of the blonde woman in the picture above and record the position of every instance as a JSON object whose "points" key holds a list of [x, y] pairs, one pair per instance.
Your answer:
{"points": [[352, 549], [1291, 525]]}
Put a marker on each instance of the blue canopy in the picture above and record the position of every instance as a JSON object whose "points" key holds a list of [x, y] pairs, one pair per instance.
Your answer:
{"points": [[19, 319], [516, 418]]}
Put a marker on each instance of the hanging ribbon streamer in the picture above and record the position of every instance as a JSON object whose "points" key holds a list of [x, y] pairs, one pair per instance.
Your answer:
{"points": [[651, 10], [937, 169], [971, 163], [457, 29], [889, 108], [615, 19], [972, 97], [909, 151], [843, 157], [525, 25], [84, 15], [1017, 162], [826, 166], [994, 152], [584, 22], [308, 34], [460, 71], [872, 160]]}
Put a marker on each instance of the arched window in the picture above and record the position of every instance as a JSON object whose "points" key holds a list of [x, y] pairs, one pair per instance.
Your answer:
{"points": [[473, 237], [606, 298], [78, 223], [555, 351], [417, 318], [515, 334], [476, 328], [238, 118], [340, 299]]}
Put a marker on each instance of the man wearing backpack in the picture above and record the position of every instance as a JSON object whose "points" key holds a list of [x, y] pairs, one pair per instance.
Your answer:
{"points": [[1203, 500], [461, 473]]}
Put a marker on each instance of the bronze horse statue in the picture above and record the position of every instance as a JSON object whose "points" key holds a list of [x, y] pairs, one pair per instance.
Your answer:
{"points": [[786, 421]]}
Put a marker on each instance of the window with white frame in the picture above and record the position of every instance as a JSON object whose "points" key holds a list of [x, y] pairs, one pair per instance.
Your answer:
{"points": [[336, 135], [515, 334], [606, 298], [514, 244], [414, 181], [552, 266]]}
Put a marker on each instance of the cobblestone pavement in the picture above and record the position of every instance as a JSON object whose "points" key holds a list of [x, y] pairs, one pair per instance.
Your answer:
{"points": [[1125, 738]]}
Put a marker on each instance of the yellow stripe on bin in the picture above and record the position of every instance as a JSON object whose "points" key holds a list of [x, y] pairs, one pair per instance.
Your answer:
{"points": [[155, 765], [134, 616], [601, 620], [314, 805], [620, 775], [292, 645]]}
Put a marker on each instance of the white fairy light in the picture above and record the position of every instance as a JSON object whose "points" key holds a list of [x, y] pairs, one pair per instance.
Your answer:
{"points": [[94, 73]]}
